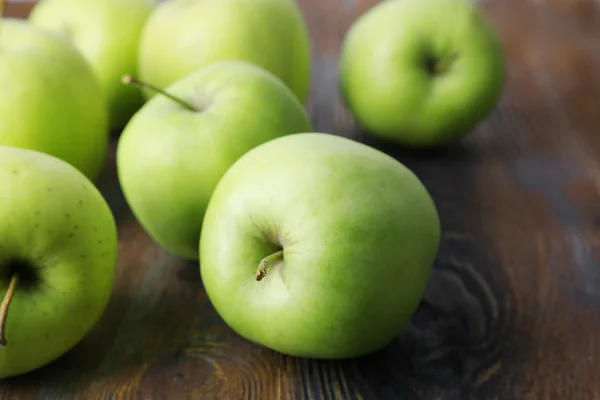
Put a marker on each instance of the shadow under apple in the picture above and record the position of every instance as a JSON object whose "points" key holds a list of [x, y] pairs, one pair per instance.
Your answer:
{"points": [[458, 151], [109, 186]]}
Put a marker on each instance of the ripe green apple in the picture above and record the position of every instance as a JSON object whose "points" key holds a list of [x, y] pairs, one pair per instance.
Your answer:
{"points": [[175, 149], [183, 35], [421, 72], [58, 249], [314, 245], [107, 32], [51, 100]]}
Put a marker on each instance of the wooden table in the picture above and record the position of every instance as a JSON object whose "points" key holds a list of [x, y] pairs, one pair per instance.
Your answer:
{"points": [[513, 308]]}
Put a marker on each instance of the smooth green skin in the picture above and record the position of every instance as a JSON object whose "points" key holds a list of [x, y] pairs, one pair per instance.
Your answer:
{"points": [[54, 218], [107, 32], [184, 35], [170, 159], [385, 82], [50, 99], [359, 233]]}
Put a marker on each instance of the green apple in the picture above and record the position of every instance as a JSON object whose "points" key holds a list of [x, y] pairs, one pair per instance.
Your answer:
{"points": [[421, 72], [58, 250], [51, 100], [314, 245], [107, 32], [183, 35], [176, 148]]}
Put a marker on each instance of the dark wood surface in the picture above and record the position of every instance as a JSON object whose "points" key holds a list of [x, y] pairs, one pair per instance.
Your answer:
{"points": [[513, 307]]}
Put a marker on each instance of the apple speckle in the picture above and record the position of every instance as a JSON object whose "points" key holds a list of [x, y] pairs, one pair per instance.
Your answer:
{"points": [[68, 215]]}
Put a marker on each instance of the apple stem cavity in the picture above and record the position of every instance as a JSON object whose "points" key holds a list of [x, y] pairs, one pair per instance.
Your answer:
{"points": [[266, 263], [437, 66], [4, 307], [130, 80]]}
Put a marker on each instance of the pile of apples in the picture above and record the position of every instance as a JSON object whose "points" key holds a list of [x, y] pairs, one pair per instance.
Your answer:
{"points": [[309, 244]]}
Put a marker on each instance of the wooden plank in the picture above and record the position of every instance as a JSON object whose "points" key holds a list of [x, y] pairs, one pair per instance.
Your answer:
{"points": [[512, 311], [17, 9]]}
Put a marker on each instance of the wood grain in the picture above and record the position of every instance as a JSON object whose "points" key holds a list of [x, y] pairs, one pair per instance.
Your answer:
{"points": [[513, 308]]}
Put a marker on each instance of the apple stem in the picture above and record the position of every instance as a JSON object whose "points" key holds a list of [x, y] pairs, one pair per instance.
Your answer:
{"points": [[265, 263], [4, 307], [130, 80]]}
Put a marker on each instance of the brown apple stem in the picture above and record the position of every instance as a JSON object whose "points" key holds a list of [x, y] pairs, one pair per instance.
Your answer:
{"points": [[4, 307], [130, 80], [266, 263]]}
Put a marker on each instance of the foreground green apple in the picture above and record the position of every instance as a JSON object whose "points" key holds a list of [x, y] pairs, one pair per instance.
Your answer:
{"points": [[174, 151], [184, 35], [58, 246], [107, 33], [318, 246], [421, 72], [50, 99]]}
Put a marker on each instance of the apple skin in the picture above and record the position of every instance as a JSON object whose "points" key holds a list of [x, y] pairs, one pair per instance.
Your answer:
{"points": [[386, 81], [183, 35], [169, 159], [359, 234], [51, 100], [107, 33], [57, 222]]}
